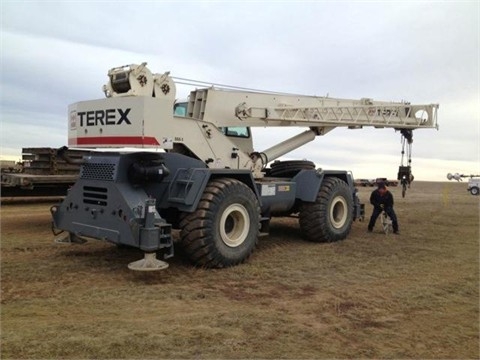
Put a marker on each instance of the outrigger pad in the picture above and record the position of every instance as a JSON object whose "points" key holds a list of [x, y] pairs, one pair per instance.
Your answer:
{"points": [[148, 263]]}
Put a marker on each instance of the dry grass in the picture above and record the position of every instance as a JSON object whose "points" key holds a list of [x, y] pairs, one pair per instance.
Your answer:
{"points": [[371, 296]]}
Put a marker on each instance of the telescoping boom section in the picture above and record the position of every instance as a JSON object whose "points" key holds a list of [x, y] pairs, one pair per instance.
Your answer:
{"points": [[201, 174]]}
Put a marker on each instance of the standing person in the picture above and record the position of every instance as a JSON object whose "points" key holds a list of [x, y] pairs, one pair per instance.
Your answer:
{"points": [[382, 199]]}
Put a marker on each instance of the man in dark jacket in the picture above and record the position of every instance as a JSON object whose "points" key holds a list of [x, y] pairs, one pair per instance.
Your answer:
{"points": [[382, 199]]}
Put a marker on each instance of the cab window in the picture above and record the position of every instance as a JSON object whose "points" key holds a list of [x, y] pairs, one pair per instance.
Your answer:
{"points": [[180, 109], [236, 131]]}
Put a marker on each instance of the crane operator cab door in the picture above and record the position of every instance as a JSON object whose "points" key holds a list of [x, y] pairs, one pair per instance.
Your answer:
{"points": [[240, 136]]}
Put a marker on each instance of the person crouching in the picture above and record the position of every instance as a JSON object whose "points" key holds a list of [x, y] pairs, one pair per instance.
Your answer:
{"points": [[382, 199]]}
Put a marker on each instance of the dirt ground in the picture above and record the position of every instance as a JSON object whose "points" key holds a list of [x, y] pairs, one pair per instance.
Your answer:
{"points": [[371, 296]]}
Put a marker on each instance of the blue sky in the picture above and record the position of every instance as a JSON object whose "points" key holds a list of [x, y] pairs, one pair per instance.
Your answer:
{"points": [[57, 53]]}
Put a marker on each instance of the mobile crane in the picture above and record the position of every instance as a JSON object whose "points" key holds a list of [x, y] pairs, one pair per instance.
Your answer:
{"points": [[208, 181], [473, 181]]}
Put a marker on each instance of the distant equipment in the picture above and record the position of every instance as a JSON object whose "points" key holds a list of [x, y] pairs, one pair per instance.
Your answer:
{"points": [[375, 182], [473, 181], [40, 173], [386, 182]]}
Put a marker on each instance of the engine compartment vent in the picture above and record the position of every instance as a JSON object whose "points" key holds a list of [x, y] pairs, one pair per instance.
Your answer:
{"points": [[98, 171], [94, 195]]}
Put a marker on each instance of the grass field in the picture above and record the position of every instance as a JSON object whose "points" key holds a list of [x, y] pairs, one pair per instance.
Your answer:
{"points": [[371, 296]]}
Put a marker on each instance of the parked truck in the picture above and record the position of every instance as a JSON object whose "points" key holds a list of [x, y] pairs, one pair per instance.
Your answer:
{"points": [[203, 176]]}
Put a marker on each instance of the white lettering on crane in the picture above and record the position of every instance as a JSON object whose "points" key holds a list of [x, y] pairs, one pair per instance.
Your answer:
{"points": [[104, 117]]}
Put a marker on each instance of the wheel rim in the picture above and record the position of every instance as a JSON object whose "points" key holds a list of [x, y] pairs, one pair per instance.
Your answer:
{"points": [[338, 212], [234, 225], [474, 191]]}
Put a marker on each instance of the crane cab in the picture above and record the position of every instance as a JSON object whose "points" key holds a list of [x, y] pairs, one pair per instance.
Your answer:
{"points": [[241, 136]]}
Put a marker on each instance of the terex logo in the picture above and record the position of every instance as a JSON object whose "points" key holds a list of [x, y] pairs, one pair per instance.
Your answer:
{"points": [[104, 117]]}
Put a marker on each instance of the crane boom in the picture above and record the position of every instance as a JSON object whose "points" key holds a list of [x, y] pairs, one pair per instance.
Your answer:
{"points": [[266, 109], [138, 113], [354, 116]]}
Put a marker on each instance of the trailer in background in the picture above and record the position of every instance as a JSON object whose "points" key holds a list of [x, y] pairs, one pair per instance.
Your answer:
{"points": [[40, 173]]}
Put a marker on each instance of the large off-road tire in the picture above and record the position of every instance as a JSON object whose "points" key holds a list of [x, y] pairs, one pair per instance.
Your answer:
{"points": [[474, 190], [330, 217], [223, 231]]}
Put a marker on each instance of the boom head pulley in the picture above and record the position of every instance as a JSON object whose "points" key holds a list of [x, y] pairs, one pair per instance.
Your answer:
{"points": [[138, 80]]}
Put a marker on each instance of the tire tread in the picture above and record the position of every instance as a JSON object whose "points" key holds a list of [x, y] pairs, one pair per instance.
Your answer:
{"points": [[196, 237], [312, 215]]}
